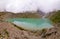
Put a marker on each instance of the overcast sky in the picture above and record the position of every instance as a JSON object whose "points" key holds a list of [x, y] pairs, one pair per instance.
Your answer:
{"points": [[29, 5]]}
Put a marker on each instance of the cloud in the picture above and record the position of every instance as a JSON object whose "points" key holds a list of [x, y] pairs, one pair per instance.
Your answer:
{"points": [[49, 5], [29, 5], [21, 5]]}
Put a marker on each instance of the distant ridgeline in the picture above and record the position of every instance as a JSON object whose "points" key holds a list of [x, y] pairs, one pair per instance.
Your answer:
{"points": [[6, 15]]}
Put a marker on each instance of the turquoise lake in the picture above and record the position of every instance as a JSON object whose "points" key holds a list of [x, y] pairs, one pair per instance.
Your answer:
{"points": [[31, 23]]}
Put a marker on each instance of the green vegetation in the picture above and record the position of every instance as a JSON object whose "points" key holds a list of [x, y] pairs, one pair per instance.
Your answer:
{"points": [[56, 17]]}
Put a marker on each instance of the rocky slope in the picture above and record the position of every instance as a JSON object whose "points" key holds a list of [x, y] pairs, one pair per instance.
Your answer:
{"points": [[10, 31]]}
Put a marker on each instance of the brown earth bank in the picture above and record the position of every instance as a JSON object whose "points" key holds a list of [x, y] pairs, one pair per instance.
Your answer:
{"points": [[10, 31]]}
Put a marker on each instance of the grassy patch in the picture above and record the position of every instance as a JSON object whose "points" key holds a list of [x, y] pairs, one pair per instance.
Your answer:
{"points": [[56, 17]]}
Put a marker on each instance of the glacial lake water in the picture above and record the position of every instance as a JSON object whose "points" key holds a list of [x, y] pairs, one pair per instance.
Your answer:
{"points": [[31, 23]]}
